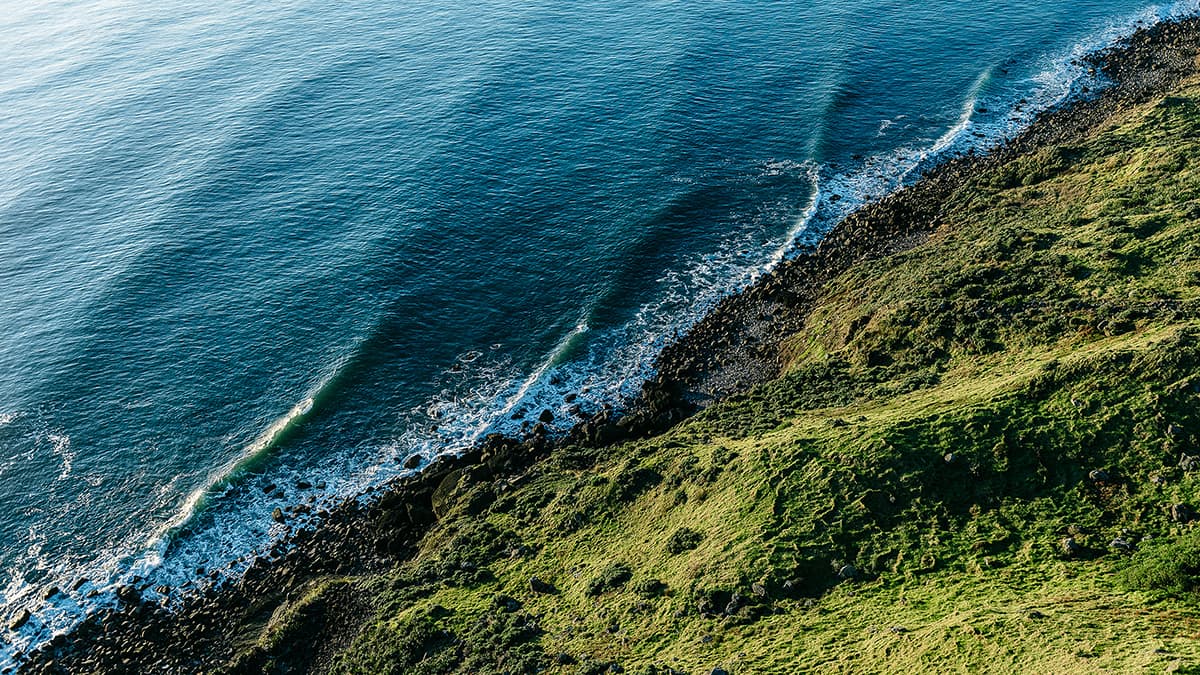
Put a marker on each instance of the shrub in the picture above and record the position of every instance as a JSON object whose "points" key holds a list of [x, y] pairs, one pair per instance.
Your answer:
{"points": [[1167, 568], [613, 576], [684, 539]]}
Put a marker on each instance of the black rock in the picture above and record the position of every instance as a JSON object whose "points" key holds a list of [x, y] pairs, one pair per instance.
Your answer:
{"points": [[848, 572], [1182, 513], [506, 604], [412, 462], [718, 671], [735, 603], [546, 417], [19, 619], [129, 595], [277, 515], [1122, 544], [1071, 547], [538, 586]]}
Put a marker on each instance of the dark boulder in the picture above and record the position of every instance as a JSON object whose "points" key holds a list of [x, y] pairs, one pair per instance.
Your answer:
{"points": [[1182, 513], [19, 619], [506, 604], [1070, 547], [736, 602]]}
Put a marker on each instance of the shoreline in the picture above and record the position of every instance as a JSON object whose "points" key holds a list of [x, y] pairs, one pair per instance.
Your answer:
{"points": [[711, 362], [736, 346]]}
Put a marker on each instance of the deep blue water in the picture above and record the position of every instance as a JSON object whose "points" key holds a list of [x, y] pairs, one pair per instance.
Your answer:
{"points": [[245, 244]]}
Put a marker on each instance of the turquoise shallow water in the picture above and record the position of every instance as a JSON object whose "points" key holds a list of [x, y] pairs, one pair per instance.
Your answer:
{"points": [[245, 245]]}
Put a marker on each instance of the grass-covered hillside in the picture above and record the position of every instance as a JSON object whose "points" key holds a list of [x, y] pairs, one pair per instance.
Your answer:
{"points": [[983, 457]]}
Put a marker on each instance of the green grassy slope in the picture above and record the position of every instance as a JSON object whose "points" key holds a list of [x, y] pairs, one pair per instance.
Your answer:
{"points": [[978, 460]]}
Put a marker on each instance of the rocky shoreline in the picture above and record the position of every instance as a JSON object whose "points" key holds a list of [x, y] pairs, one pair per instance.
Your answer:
{"points": [[736, 346]]}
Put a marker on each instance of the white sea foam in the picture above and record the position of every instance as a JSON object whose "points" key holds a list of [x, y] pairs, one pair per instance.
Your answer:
{"points": [[61, 445], [263, 442], [965, 117]]}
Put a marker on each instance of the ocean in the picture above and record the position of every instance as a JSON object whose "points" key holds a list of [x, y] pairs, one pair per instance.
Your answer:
{"points": [[261, 254]]}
